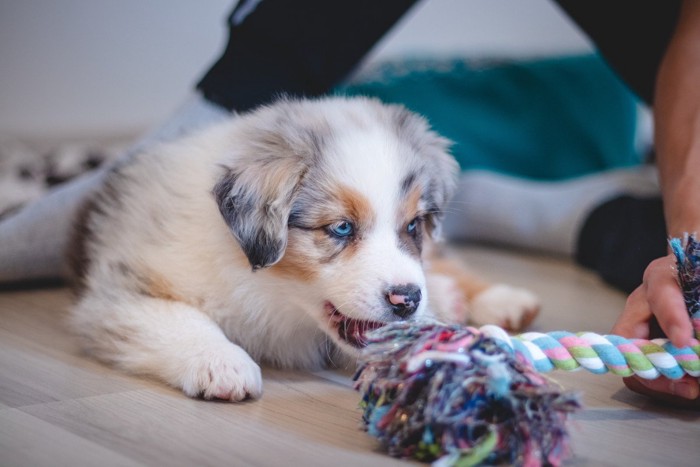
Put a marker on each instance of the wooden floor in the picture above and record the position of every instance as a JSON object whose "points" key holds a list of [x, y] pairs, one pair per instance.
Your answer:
{"points": [[59, 408]]}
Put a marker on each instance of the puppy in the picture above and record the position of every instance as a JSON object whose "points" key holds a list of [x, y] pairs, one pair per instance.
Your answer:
{"points": [[281, 236]]}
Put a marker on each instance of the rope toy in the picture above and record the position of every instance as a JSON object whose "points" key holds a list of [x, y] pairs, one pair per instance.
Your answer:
{"points": [[463, 396]]}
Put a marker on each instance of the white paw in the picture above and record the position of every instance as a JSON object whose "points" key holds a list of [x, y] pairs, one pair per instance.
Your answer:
{"points": [[226, 372], [447, 301], [511, 308]]}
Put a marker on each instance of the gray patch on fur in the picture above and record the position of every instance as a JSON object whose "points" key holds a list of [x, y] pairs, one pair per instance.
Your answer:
{"points": [[407, 183], [256, 194]]}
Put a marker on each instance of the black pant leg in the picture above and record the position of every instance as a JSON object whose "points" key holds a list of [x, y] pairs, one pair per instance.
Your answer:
{"points": [[300, 47], [632, 35], [621, 237]]}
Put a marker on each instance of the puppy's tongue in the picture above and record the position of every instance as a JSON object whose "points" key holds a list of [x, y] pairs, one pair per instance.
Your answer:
{"points": [[353, 330]]}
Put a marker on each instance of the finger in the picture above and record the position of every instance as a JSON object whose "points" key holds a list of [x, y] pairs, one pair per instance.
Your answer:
{"points": [[666, 303], [686, 387], [633, 322], [680, 393]]}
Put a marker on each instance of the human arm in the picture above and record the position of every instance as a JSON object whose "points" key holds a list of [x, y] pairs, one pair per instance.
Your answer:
{"points": [[677, 139]]}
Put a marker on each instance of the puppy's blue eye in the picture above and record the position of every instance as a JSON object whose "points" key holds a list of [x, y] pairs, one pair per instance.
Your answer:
{"points": [[342, 229], [412, 226]]}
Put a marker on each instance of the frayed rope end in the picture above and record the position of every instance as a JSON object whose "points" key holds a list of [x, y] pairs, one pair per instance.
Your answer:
{"points": [[687, 253], [451, 394]]}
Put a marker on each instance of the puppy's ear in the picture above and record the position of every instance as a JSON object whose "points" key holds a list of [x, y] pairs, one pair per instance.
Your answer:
{"points": [[441, 173], [433, 167], [256, 194]]}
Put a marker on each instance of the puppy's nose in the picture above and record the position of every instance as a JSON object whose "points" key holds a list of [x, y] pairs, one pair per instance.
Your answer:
{"points": [[403, 299]]}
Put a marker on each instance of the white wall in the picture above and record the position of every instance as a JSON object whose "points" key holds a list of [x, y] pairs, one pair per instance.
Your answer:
{"points": [[104, 67]]}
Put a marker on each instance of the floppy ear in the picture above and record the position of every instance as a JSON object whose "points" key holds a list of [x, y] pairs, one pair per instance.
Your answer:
{"points": [[256, 193]]}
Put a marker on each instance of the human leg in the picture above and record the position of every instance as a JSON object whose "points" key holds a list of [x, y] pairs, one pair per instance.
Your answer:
{"points": [[299, 48], [34, 239], [622, 236], [538, 215]]}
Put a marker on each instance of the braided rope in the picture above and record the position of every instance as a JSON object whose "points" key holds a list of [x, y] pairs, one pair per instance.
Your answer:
{"points": [[599, 354]]}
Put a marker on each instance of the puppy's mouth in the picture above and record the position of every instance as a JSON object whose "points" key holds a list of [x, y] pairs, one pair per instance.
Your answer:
{"points": [[351, 330]]}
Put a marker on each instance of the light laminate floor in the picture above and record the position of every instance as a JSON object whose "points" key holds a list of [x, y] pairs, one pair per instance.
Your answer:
{"points": [[59, 408]]}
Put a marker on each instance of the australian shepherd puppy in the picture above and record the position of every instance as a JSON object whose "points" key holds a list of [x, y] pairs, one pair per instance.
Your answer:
{"points": [[280, 236]]}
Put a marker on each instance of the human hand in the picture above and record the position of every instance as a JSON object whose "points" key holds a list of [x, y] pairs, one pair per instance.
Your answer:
{"points": [[659, 297]]}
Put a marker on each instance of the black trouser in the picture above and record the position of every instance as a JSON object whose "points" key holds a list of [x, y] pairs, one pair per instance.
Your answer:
{"points": [[299, 47], [306, 47]]}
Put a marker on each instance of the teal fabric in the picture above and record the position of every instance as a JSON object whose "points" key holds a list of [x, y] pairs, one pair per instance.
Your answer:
{"points": [[543, 119]]}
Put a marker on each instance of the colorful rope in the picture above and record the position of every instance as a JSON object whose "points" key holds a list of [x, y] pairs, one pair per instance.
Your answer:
{"points": [[452, 395], [462, 396], [597, 353]]}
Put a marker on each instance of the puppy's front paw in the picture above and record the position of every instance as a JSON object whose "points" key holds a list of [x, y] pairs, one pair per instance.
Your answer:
{"points": [[226, 372], [511, 308]]}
